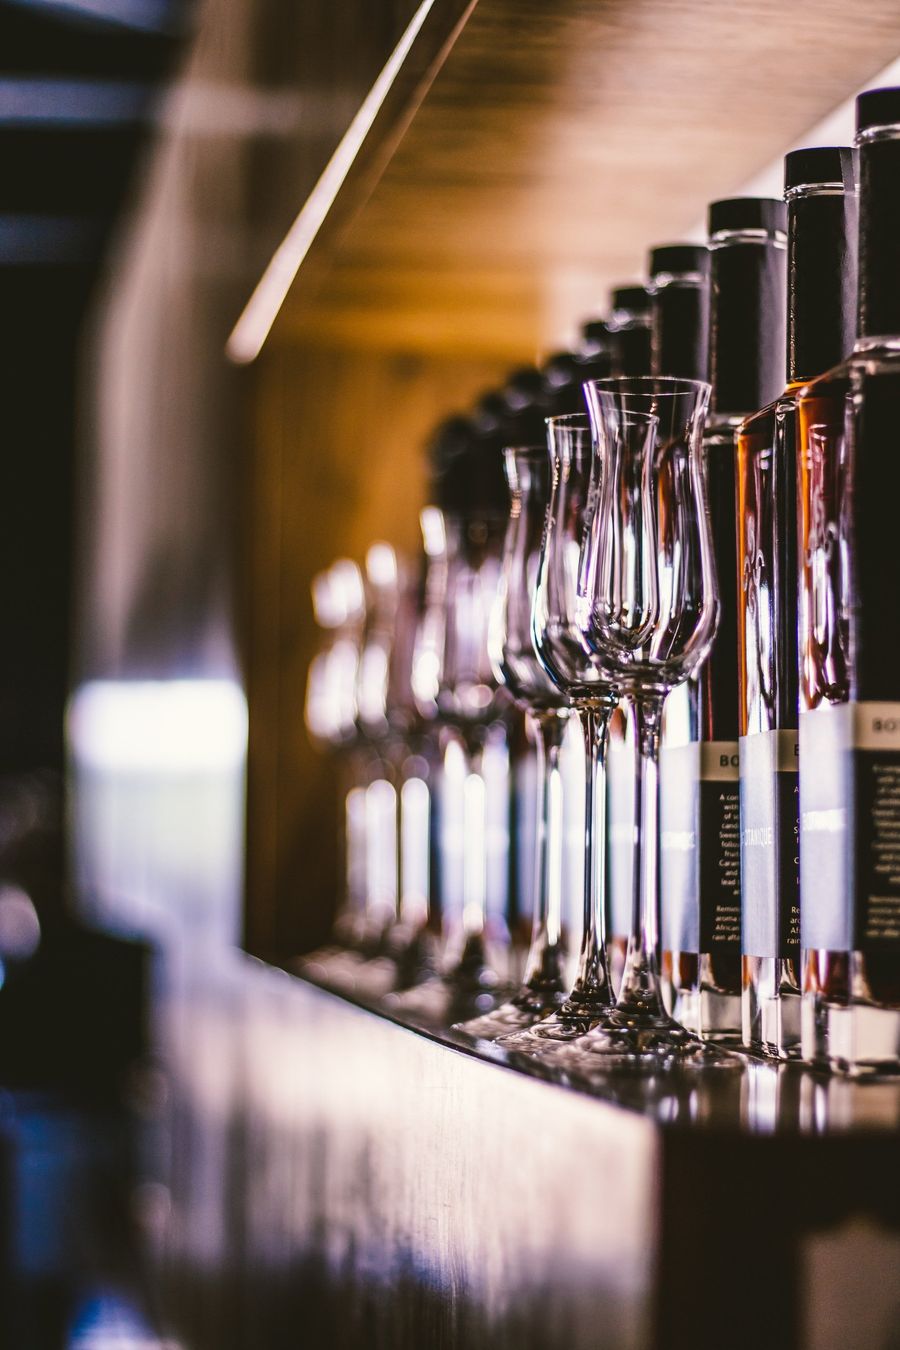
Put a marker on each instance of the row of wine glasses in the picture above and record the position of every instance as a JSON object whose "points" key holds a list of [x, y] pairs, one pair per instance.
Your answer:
{"points": [[594, 585], [429, 714], [609, 593]]}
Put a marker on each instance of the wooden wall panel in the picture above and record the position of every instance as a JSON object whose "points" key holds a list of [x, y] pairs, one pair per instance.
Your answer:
{"points": [[337, 462], [560, 141]]}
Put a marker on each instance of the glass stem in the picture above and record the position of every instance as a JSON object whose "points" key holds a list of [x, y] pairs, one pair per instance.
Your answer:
{"points": [[592, 984], [474, 844], [641, 992], [545, 966]]}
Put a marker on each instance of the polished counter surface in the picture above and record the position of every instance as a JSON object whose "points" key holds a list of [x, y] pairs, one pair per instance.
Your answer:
{"points": [[286, 1168], [394, 1190]]}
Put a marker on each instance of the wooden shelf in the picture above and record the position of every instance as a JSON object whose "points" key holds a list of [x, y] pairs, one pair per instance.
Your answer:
{"points": [[390, 1191], [556, 144]]}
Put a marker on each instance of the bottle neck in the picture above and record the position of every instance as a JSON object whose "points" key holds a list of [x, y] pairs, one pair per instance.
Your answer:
{"points": [[879, 232], [821, 323], [680, 332], [747, 320]]}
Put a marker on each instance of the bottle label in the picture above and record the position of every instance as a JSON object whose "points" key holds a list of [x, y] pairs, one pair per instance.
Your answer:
{"points": [[850, 826], [679, 811], [700, 847], [770, 860], [720, 848]]}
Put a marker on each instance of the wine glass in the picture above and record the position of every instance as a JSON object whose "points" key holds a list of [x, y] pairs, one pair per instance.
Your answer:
{"points": [[372, 803], [454, 675], [648, 610], [582, 681], [516, 665], [330, 711]]}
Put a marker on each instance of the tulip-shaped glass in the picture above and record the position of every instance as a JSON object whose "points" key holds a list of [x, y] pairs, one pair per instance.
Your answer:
{"points": [[648, 609], [579, 676], [516, 665]]}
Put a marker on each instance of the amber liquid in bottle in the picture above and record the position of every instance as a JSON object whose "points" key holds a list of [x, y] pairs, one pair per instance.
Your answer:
{"points": [[680, 347], [700, 814], [767, 650], [849, 485], [819, 190]]}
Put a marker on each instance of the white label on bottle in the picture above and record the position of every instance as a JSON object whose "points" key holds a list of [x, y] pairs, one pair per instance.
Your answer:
{"points": [[719, 762], [876, 726]]}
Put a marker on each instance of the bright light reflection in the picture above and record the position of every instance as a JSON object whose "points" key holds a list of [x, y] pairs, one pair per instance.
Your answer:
{"points": [[158, 804], [415, 810], [176, 726], [474, 876], [252, 328]]}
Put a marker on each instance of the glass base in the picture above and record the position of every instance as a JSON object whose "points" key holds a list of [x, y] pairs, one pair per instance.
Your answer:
{"points": [[859, 1040], [580, 1011], [626, 1037], [518, 1014], [770, 1007], [470, 989]]}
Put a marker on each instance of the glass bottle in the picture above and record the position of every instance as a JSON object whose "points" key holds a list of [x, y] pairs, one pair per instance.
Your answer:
{"points": [[849, 483], [700, 854], [679, 286], [628, 339], [821, 215]]}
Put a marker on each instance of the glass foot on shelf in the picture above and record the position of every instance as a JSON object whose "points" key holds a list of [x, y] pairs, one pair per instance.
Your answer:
{"points": [[509, 1018]]}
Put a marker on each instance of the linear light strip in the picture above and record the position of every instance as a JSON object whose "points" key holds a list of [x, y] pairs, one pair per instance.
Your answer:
{"points": [[261, 310]]}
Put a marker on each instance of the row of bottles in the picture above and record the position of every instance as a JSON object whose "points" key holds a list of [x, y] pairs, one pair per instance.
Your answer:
{"points": [[780, 767]]}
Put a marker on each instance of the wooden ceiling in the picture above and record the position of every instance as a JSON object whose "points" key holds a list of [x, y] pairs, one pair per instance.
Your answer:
{"points": [[557, 142]]}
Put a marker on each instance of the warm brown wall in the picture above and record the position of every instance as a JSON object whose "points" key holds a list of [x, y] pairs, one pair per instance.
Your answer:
{"points": [[337, 462]]}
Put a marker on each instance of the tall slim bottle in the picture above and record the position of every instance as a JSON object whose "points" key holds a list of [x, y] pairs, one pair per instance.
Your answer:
{"points": [[679, 284], [629, 335], [821, 213], [700, 843], [849, 486]]}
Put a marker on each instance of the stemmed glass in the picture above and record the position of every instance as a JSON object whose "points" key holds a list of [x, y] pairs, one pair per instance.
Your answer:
{"points": [[581, 679], [330, 713], [515, 663], [648, 610], [453, 668], [372, 803]]}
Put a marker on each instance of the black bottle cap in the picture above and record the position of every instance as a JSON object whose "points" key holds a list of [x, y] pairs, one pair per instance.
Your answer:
{"points": [[525, 395], [467, 470], [676, 259], [748, 295], [680, 330], [878, 162], [560, 370], [490, 412], [635, 300], [747, 213], [815, 166], [448, 438], [595, 335], [629, 329], [877, 108], [821, 257], [565, 374], [524, 386]]}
